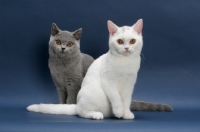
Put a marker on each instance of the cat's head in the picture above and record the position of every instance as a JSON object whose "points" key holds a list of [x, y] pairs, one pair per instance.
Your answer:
{"points": [[126, 40], [63, 43]]}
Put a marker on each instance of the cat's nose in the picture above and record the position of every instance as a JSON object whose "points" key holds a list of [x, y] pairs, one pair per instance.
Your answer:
{"points": [[63, 48], [126, 48]]}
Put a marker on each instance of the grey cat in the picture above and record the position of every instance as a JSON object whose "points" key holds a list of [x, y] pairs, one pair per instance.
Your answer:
{"points": [[68, 67], [67, 64]]}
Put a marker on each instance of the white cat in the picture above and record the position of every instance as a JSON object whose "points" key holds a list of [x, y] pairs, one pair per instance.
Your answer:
{"points": [[107, 88]]}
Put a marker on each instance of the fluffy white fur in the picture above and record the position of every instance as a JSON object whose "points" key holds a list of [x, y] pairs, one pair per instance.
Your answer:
{"points": [[108, 85]]}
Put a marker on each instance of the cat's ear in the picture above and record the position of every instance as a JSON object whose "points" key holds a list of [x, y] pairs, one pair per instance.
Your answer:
{"points": [[77, 34], [138, 26], [54, 29], [112, 28]]}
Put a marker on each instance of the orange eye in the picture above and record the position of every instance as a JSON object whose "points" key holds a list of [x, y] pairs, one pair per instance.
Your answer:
{"points": [[119, 41], [132, 41], [58, 42], [70, 44]]}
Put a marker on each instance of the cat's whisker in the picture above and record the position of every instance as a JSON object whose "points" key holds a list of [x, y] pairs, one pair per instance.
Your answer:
{"points": [[142, 57]]}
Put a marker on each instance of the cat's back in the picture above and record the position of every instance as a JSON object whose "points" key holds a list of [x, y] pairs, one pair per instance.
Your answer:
{"points": [[91, 83], [87, 60], [94, 68], [92, 77], [87, 57]]}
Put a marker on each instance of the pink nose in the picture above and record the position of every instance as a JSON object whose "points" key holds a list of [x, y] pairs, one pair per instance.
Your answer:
{"points": [[126, 49]]}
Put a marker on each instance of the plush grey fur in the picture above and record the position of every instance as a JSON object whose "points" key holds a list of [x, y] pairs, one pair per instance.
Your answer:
{"points": [[68, 67], [146, 106]]}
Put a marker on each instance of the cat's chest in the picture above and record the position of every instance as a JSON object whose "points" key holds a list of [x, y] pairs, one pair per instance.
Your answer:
{"points": [[120, 68], [121, 71], [63, 70], [123, 65]]}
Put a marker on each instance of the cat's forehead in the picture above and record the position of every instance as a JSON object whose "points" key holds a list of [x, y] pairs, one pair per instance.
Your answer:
{"points": [[125, 28], [126, 32], [65, 35]]}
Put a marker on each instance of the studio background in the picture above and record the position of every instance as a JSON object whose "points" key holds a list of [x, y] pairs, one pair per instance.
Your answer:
{"points": [[169, 73]]}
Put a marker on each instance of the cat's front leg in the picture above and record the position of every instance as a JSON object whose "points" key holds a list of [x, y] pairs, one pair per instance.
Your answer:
{"points": [[62, 96], [60, 90], [72, 91], [111, 90], [71, 99], [126, 95]]}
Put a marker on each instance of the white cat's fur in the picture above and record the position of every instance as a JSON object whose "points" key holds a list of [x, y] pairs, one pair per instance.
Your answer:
{"points": [[107, 88]]}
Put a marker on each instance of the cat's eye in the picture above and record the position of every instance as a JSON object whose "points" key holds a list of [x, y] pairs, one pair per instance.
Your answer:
{"points": [[70, 44], [119, 41], [58, 42], [132, 41]]}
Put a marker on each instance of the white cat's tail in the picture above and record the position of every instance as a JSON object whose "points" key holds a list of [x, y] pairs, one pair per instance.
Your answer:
{"points": [[67, 109]]}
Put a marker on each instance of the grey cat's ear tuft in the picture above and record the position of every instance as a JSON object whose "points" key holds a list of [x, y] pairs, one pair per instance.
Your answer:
{"points": [[54, 29], [77, 34]]}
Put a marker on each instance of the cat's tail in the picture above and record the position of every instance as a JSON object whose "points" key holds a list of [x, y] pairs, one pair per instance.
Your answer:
{"points": [[146, 106], [53, 108]]}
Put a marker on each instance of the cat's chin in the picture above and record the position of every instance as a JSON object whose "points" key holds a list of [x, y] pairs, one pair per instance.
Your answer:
{"points": [[64, 53], [61, 55], [121, 53], [127, 53]]}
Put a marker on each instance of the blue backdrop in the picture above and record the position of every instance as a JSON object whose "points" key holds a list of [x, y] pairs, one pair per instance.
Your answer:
{"points": [[170, 69]]}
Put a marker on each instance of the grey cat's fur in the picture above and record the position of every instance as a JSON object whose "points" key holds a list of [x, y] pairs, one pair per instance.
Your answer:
{"points": [[69, 66]]}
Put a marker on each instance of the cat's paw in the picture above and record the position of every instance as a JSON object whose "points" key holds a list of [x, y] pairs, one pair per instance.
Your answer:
{"points": [[128, 115], [118, 112], [34, 108], [97, 116]]}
